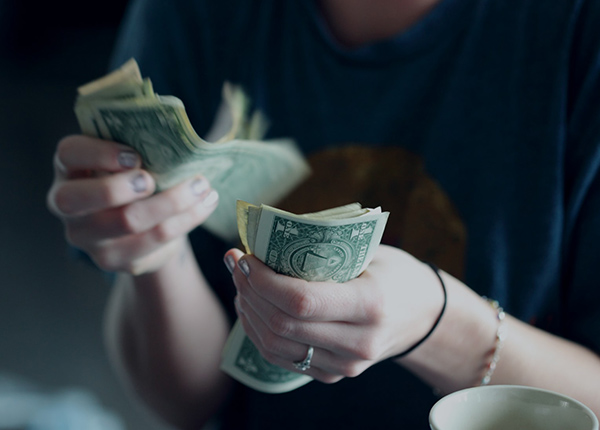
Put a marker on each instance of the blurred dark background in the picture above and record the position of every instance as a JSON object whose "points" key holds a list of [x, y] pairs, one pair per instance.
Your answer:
{"points": [[51, 304]]}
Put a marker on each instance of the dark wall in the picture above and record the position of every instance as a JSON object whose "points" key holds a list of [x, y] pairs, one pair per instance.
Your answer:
{"points": [[28, 27], [51, 304]]}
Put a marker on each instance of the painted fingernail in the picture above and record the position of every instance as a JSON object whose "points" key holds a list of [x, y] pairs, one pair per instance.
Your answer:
{"points": [[211, 198], [138, 183], [199, 186], [244, 267], [127, 159], [230, 263]]}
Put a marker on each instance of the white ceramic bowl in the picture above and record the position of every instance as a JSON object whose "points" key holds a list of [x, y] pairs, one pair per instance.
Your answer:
{"points": [[510, 407]]}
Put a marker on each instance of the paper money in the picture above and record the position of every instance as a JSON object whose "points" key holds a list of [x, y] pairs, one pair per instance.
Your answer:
{"points": [[333, 245], [123, 107]]}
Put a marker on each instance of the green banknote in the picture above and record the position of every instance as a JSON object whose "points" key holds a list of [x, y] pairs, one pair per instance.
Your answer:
{"points": [[333, 245], [123, 107]]}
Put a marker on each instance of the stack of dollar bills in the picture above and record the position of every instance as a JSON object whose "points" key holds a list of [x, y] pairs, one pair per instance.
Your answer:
{"points": [[332, 245], [123, 107]]}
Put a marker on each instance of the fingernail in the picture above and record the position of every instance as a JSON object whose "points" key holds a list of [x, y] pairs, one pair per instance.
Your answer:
{"points": [[230, 263], [138, 183], [199, 186], [211, 198], [127, 159], [244, 267]]}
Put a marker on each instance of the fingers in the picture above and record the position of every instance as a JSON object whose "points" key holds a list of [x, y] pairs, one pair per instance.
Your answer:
{"points": [[342, 349], [119, 253], [308, 301], [107, 203], [267, 319], [85, 196], [270, 323], [90, 161], [143, 215], [81, 153], [282, 352]]}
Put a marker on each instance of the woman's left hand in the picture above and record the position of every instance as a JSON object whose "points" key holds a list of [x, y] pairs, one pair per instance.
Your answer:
{"points": [[351, 326]]}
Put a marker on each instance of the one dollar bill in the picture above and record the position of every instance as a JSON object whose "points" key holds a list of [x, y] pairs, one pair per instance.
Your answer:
{"points": [[333, 245], [123, 107]]}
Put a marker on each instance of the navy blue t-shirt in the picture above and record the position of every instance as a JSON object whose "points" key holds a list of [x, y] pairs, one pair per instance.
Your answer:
{"points": [[478, 128]]}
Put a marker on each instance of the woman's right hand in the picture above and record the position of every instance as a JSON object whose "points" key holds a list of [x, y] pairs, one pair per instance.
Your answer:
{"points": [[106, 202]]}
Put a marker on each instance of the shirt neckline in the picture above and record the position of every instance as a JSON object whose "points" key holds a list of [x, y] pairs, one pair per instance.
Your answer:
{"points": [[434, 29]]}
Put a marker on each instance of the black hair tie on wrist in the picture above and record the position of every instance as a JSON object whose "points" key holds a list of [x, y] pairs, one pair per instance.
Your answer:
{"points": [[437, 321]]}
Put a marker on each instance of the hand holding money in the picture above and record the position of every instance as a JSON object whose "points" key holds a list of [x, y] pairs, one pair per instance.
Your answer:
{"points": [[123, 107], [333, 245]]}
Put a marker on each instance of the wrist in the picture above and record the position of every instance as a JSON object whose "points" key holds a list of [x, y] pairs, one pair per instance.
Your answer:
{"points": [[436, 322], [457, 352], [494, 354], [169, 257]]}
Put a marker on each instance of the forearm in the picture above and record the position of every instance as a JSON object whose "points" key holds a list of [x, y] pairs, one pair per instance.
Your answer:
{"points": [[165, 332], [455, 356], [537, 358]]}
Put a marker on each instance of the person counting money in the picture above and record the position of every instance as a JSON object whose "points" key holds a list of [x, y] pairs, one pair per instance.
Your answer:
{"points": [[474, 124]]}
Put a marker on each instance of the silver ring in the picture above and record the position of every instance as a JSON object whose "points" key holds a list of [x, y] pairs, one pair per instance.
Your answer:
{"points": [[305, 364]]}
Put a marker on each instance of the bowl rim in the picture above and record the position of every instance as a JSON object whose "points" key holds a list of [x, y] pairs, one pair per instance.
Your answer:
{"points": [[463, 391]]}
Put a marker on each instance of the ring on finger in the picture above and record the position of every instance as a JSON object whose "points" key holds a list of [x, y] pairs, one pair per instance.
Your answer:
{"points": [[304, 365]]}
